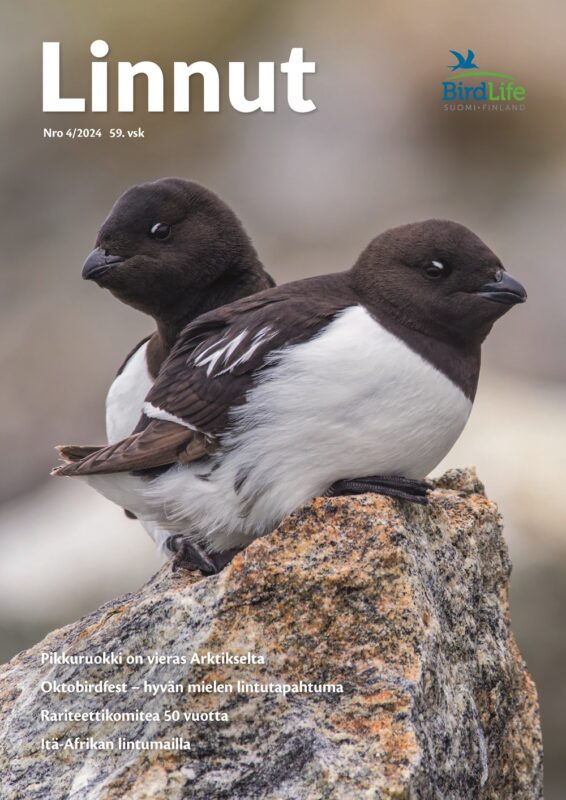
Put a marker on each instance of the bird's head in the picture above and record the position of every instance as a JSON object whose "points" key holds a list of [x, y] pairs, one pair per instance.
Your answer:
{"points": [[438, 277], [166, 244]]}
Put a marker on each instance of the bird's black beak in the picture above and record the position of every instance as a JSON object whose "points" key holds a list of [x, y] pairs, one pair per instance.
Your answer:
{"points": [[98, 263], [504, 289]]}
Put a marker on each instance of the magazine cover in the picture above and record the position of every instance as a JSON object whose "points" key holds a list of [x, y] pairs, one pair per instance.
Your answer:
{"points": [[283, 407]]}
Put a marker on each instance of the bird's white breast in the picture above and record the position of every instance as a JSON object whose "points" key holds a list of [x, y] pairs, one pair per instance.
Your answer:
{"points": [[354, 401], [126, 396]]}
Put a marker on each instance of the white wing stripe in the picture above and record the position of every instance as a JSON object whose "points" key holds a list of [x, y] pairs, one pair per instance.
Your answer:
{"points": [[199, 358], [154, 412], [211, 358], [233, 345], [262, 335]]}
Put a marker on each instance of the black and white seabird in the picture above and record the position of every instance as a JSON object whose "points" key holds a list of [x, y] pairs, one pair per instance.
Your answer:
{"points": [[172, 249], [267, 402]]}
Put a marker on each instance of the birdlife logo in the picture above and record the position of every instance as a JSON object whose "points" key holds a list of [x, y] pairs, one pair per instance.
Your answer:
{"points": [[473, 89]]}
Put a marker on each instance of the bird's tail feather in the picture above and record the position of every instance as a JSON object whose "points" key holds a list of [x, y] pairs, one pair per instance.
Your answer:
{"points": [[162, 443], [76, 452]]}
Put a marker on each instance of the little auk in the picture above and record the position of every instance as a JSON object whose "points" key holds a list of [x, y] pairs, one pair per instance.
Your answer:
{"points": [[350, 382], [172, 249]]}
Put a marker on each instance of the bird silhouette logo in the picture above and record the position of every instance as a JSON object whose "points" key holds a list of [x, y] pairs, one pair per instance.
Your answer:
{"points": [[463, 62]]}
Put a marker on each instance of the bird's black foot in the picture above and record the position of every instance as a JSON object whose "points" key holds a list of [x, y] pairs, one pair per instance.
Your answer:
{"points": [[390, 485], [190, 556]]}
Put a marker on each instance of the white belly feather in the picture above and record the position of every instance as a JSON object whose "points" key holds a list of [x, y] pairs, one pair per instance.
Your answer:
{"points": [[124, 403], [126, 395], [354, 401]]}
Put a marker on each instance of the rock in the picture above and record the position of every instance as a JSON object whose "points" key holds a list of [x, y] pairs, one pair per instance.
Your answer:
{"points": [[402, 607]]}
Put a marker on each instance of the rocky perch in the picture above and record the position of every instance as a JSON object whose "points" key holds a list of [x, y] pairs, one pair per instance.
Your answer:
{"points": [[402, 607]]}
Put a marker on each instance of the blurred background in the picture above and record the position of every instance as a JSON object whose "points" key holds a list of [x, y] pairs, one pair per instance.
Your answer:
{"points": [[312, 190]]}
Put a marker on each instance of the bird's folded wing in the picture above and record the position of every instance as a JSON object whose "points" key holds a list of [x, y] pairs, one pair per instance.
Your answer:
{"points": [[216, 358], [161, 443], [76, 452], [209, 372]]}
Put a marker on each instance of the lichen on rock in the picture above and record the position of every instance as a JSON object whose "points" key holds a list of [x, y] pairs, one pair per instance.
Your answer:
{"points": [[403, 607]]}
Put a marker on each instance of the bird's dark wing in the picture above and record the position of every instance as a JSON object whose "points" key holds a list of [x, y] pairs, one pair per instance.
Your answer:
{"points": [[216, 357], [212, 367], [458, 55], [161, 443], [471, 56]]}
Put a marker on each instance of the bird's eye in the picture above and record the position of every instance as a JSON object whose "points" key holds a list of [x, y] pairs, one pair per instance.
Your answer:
{"points": [[436, 270], [160, 230]]}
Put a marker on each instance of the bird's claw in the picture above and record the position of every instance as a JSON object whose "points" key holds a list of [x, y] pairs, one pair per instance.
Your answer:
{"points": [[189, 556], [414, 491]]}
